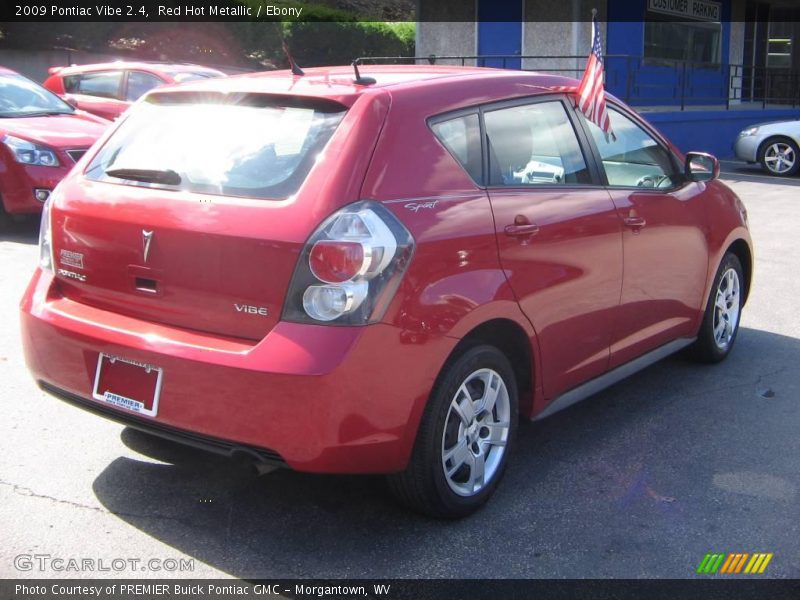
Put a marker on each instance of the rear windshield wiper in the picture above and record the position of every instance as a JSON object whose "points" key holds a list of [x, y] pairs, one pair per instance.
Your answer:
{"points": [[166, 176]]}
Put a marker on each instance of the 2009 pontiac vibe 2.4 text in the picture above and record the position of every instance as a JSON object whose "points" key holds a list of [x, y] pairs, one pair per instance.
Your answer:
{"points": [[376, 275]]}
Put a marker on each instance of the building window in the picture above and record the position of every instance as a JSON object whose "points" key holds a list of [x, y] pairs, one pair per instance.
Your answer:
{"points": [[779, 44], [672, 40]]}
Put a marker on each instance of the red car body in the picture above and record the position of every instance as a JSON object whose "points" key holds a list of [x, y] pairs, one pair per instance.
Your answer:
{"points": [[114, 86], [349, 398], [68, 135]]}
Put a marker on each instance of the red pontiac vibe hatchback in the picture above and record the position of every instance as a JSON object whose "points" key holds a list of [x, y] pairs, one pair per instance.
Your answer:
{"points": [[42, 137], [376, 275]]}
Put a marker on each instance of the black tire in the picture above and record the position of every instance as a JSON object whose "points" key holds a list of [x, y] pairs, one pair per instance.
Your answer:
{"points": [[423, 486], [706, 348], [788, 143]]}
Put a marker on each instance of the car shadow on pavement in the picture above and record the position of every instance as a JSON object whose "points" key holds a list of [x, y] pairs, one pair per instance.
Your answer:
{"points": [[741, 171], [24, 230], [619, 485]]}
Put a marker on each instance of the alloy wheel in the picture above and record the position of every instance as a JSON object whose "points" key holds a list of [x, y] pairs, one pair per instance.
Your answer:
{"points": [[780, 157], [476, 432], [726, 309]]}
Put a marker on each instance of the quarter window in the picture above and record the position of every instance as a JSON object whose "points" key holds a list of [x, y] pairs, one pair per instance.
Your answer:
{"points": [[631, 157], [533, 144], [71, 83], [462, 138]]}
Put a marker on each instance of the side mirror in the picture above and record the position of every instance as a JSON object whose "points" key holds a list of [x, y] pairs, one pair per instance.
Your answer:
{"points": [[701, 166]]}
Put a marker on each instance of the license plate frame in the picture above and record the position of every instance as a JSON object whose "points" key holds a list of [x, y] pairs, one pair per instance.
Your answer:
{"points": [[117, 397]]}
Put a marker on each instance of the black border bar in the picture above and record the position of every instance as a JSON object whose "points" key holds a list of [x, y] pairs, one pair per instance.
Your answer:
{"points": [[433, 589], [43, 11]]}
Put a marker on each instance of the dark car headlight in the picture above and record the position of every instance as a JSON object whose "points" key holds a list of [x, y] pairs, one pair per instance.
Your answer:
{"points": [[28, 153]]}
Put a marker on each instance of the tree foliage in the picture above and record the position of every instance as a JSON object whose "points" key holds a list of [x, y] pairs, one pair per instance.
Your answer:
{"points": [[325, 36]]}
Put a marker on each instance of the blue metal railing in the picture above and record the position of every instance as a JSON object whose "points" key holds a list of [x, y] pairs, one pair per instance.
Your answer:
{"points": [[644, 81]]}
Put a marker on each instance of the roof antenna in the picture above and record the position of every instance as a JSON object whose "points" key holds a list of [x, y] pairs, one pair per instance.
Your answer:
{"points": [[295, 69], [359, 80]]}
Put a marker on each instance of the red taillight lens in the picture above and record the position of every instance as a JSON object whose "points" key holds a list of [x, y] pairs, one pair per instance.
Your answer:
{"points": [[350, 267], [336, 261]]}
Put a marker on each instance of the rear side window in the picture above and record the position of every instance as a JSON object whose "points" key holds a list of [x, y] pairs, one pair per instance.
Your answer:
{"points": [[533, 144], [104, 84], [462, 138], [248, 145], [139, 83]]}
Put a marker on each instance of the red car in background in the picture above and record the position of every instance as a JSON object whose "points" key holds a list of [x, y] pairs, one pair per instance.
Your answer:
{"points": [[108, 89], [377, 274], [41, 137]]}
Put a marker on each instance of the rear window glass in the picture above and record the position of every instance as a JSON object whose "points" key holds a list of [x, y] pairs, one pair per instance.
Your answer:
{"points": [[232, 145]]}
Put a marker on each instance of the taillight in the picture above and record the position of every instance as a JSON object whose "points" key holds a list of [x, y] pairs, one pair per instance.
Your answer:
{"points": [[350, 267], [46, 262], [336, 261]]}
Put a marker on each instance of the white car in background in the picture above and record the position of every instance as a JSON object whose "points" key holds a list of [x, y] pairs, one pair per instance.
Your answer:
{"points": [[775, 145]]}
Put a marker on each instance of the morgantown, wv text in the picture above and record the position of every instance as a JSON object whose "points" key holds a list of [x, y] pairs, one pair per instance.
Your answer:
{"points": [[197, 590]]}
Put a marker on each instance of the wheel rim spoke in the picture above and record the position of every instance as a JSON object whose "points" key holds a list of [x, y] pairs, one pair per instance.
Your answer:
{"points": [[477, 472], [457, 456], [490, 393], [721, 304], [465, 408]]}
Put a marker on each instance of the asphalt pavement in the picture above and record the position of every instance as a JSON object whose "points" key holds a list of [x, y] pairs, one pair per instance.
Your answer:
{"points": [[641, 480]]}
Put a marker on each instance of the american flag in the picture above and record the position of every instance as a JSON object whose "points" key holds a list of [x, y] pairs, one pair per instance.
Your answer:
{"points": [[591, 95]]}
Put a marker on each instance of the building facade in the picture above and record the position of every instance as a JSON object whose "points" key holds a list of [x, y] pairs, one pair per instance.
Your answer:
{"points": [[681, 62]]}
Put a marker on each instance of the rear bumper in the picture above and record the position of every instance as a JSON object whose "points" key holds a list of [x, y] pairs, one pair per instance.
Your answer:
{"points": [[153, 427], [322, 399]]}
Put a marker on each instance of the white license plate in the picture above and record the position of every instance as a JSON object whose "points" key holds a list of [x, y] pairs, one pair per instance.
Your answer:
{"points": [[127, 384]]}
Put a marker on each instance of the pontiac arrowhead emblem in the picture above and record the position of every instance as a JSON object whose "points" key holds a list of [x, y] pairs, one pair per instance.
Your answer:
{"points": [[147, 237]]}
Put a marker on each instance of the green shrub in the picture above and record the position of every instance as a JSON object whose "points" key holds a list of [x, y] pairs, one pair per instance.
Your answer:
{"points": [[317, 43]]}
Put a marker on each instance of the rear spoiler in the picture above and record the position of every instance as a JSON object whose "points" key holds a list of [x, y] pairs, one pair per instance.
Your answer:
{"points": [[55, 70]]}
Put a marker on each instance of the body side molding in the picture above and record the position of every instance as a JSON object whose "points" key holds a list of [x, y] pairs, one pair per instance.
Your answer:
{"points": [[608, 379]]}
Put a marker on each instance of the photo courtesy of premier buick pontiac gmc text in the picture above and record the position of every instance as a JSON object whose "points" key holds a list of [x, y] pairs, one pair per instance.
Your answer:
{"points": [[378, 272]]}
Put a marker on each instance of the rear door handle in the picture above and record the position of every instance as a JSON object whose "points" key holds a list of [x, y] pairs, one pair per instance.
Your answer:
{"points": [[634, 222], [522, 230]]}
